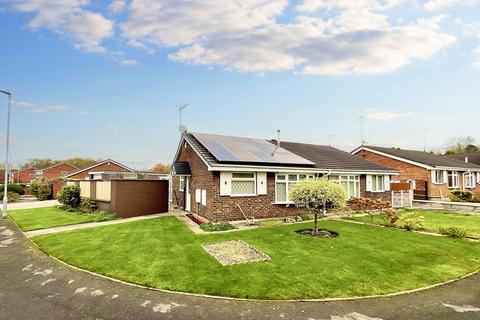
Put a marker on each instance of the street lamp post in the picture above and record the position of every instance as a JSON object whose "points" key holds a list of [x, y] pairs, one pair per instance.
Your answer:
{"points": [[7, 145]]}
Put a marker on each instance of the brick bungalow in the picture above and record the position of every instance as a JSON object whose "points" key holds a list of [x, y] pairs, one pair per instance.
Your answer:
{"points": [[24, 176], [437, 174], [108, 165], [215, 175], [56, 172]]}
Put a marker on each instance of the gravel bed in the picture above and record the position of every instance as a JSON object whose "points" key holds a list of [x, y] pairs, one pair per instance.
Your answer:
{"points": [[234, 252]]}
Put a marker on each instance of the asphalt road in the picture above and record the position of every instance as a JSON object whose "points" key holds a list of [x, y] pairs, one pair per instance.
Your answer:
{"points": [[34, 286]]}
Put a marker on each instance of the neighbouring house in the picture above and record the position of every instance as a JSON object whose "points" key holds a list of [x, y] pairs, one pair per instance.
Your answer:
{"points": [[432, 176], [103, 166], [473, 157], [56, 172], [23, 176], [218, 177]]}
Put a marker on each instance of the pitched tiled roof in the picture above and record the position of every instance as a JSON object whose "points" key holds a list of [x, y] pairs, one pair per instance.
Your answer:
{"points": [[323, 157], [473, 157], [426, 158], [327, 157]]}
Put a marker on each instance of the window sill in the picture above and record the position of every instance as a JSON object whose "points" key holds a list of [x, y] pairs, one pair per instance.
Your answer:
{"points": [[242, 195], [283, 202], [377, 191]]}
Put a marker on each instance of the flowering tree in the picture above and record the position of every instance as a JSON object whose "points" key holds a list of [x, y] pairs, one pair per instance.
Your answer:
{"points": [[318, 195]]}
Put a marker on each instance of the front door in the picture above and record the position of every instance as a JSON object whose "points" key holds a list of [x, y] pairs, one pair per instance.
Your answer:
{"points": [[187, 194]]}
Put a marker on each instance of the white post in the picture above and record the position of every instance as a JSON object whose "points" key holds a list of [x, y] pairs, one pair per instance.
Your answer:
{"points": [[7, 142]]}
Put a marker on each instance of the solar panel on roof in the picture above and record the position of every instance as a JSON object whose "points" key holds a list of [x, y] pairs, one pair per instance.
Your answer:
{"points": [[238, 149]]}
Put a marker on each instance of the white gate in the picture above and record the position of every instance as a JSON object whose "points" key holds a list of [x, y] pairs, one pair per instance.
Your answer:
{"points": [[402, 199]]}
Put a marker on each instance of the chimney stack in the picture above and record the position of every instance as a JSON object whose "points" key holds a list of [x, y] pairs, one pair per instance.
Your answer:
{"points": [[278, 143], [466, 159]]}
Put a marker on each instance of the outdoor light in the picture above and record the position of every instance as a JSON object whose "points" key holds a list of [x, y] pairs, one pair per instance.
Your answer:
{"points": [[7, 142]]}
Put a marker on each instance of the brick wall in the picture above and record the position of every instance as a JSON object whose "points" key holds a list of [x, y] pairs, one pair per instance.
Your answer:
{"points": [[413, 172], [108, 166], [24, 175]]}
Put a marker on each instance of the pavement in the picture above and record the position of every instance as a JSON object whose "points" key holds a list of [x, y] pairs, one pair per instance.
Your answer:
{"points": [[35, 286], [32, 204]]}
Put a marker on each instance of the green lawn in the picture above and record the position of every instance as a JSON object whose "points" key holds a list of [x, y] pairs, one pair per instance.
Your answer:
{"points": [[41, 218], [363, 260], [435, 219]]}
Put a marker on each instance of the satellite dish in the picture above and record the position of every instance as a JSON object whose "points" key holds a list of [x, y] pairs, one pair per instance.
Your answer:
{"points": [[182, 129]]}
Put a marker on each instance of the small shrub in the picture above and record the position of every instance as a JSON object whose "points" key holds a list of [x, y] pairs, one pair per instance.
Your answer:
{"points": [[12, 196], [461, 196], [210, 227], [41, 189], [454, 232], [367, 204], [100, 216], [87, 205], [410, 221], [69, 195], [13, 187]]}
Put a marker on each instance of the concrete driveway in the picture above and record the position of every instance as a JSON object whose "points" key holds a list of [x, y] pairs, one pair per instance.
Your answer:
{"points": [[34, 286]]}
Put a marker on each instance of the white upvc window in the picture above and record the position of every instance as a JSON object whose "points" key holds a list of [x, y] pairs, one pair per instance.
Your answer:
{"points": [[182, 184], [378, 184], [351, 184], [438, 177], [469, 180], [478, 177], [452, 179], [283, 183], [243, 184]]}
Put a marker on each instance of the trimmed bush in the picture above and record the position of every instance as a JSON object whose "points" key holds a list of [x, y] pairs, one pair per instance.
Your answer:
{"points": [[454, 232], [13, 187], [461, 196], [41, 189], [410, 221], [367, 204], [69, 195], [87, 205], [12, 196], [210, 227]]}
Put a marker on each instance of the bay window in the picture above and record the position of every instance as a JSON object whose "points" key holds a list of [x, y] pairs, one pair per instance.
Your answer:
{"points": [[452, 179], [243, 184], [283, 183], [351, 184], [469, 180]]}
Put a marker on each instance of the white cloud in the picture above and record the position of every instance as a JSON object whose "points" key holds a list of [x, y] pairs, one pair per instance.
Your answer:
{"points": [[67, 18], [127, 62], [117, 6], [355, 37], [48, 108], [81, 113], [442, 4], [386, 115], [473, 30], [23, 104]]}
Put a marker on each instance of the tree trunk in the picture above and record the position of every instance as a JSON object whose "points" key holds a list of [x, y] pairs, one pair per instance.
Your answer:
{"points": [[315, 224]]}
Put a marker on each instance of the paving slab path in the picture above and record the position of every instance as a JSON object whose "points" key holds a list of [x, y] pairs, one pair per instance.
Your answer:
{"points": [[35, 286]]}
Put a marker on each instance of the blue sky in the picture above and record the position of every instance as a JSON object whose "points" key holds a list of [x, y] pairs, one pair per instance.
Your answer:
{"points": [[102, 79]]}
